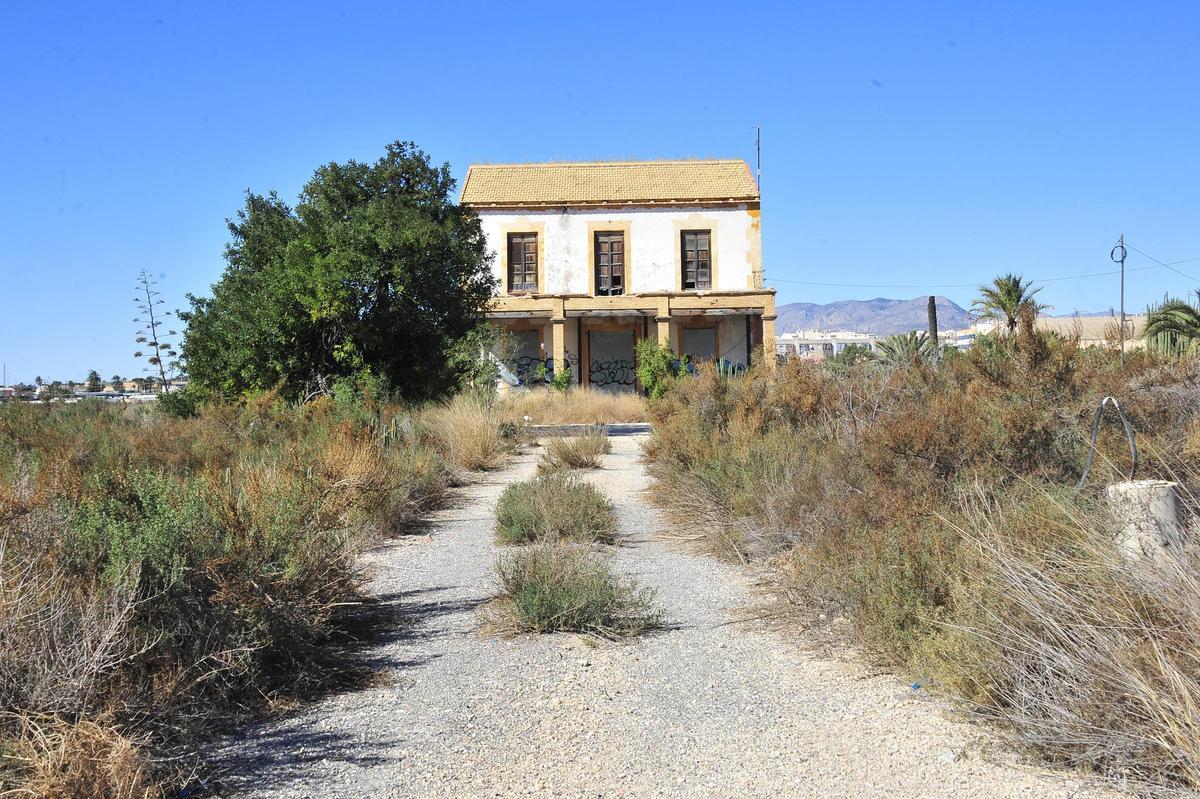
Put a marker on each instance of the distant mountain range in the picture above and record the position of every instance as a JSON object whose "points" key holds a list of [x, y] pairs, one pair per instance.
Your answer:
{"points": [[880, 316]]}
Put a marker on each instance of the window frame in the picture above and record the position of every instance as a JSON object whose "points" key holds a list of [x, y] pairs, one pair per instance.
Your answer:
{"points": [[527, 238], [598, 289], [683, 259]]}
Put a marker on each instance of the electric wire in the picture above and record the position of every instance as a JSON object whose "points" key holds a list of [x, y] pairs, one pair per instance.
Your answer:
{"points": [[1157, 264]]}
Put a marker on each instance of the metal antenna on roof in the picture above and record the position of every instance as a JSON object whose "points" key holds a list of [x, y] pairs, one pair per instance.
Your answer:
{"points": [[758, 157]]}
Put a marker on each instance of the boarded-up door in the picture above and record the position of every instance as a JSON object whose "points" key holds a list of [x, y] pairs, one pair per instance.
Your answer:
{"points": [[610, 360], [527, 355], [700, 343]]}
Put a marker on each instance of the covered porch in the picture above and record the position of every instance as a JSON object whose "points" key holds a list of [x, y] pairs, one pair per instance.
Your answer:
{"points": [[595, 337]]}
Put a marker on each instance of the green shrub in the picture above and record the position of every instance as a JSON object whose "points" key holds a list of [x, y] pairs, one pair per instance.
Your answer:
{"points": [[564, 587], [577, 452], [561, 379], [554, 506], [199, 567], [654, 367], [183, 403]]}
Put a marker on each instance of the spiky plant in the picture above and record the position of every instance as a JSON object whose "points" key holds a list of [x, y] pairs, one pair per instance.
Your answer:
{"points": [[152, 334], [1173, 328], [1005, 298], [904, 349]]}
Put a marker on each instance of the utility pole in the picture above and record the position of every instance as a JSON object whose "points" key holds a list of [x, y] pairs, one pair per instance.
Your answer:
{"points": [[1118, 256]]}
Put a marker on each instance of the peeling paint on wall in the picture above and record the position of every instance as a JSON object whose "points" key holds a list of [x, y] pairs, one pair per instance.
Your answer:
{"points": [[651, 252]]}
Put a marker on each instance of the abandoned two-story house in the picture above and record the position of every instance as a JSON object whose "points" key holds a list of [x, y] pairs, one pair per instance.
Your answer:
{"points": [[591, 257]]}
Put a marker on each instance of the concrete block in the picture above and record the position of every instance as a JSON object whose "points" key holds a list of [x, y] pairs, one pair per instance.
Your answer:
{"points": [[1146, 513]]}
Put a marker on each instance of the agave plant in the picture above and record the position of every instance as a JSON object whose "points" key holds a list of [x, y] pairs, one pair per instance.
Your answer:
{"points": [[1173, 328], [1006, 298], [904, 349]]}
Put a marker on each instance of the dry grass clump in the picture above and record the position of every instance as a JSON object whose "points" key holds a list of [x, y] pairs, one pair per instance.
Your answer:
{"points": [[579, 405], [576, 452], [469, 432], [864, 483], [53, 759], [1088, 659], [554, 506], [168, 574], [568, 588]]}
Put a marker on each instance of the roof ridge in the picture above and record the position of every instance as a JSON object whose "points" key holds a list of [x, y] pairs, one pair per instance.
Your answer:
{"points": [[611, 163], [568, 182]]}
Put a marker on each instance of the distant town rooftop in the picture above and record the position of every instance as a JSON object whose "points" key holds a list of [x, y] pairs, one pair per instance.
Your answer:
{"points": [[609, 183]]}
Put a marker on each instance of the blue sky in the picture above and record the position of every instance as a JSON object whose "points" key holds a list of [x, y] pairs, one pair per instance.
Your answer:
{"points": [[910, 147]]}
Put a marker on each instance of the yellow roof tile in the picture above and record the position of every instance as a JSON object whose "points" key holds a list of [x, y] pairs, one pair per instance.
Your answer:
{"points": [[605, 182]]}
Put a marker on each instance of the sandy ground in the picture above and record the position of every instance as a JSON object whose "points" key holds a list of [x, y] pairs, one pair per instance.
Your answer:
{"points": [[706, 708]]}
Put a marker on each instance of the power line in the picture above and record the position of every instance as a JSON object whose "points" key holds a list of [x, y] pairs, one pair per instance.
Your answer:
{"points": [[958, 285], [1168, 265]]}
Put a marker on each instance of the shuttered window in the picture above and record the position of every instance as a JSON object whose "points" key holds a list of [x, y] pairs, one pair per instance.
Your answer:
{"points": [[522, 262], [610, 264], [696, 260]]}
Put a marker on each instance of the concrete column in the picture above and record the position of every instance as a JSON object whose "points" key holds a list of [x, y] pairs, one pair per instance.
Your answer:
{"points": [[768, 340], [768, 331], [663, 322], [1146, 513], [558, 343]]}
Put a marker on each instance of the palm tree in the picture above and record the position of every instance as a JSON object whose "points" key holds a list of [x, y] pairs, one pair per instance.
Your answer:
{"points": [[1006, 298], [1173, 327], [904, 349]]}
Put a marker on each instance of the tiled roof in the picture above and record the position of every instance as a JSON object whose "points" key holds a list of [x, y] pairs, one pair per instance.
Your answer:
{"points": [[606, 182]]}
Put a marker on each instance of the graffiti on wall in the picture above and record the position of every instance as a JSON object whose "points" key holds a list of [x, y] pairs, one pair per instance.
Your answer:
{"points": [[614, 372], [528, 368]]}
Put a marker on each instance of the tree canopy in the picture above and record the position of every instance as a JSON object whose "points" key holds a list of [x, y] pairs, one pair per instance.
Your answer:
{"points": [[376, 272], [1005, 300]]}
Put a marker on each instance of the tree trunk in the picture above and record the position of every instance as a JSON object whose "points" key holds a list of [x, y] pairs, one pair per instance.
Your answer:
{"points": [[933, 330]]}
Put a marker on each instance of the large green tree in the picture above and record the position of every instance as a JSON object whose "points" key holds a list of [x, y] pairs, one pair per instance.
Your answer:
{"points": [[376, 271]]}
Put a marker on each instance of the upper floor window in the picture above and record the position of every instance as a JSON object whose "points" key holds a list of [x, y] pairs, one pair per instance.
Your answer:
{"points": [[522, 262], [696, 260], [610, 263]]}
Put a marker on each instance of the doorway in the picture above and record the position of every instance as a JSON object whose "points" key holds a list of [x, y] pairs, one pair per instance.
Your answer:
{"points": [[611, 360]]}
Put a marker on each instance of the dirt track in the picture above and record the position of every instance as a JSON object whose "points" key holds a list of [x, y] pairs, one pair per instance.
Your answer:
{"points": [[707, 708]]}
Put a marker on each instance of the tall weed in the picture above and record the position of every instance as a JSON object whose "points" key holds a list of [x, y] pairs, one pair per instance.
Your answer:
{"points": [[159, 574], [864, 484]]}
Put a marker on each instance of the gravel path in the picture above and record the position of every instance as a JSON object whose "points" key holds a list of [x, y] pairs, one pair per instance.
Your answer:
{"points": [[704, 709]]}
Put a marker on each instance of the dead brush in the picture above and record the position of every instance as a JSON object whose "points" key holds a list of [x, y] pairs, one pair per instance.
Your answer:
{"points": [[468, 433], [576, 452], [580, 405], [89, 759], [160, 576], [1090, 659], [59, 645]]}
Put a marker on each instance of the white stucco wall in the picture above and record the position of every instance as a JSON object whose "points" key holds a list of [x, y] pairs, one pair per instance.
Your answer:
{"points": [[652, 246]]}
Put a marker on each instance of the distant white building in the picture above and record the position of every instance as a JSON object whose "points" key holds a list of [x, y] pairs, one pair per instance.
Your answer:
{"points": [[817, 345], [1092, 331]]}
